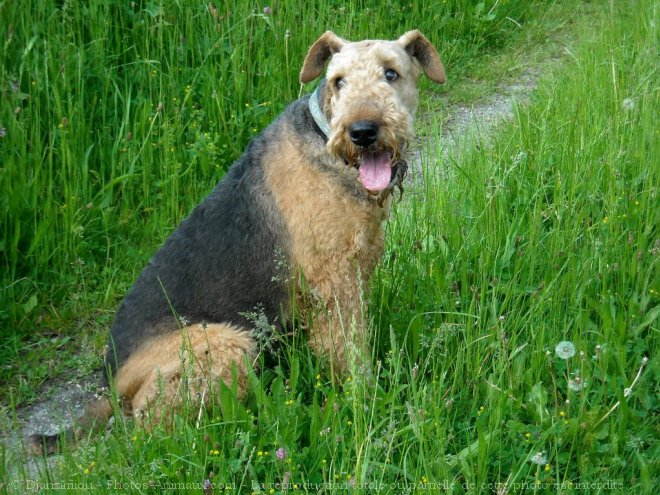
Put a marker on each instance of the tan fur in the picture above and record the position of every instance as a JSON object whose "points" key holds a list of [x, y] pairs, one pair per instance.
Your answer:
{"points": [[334, 248], [423, 51], [365, 94], [187, 361], [327, 45]]}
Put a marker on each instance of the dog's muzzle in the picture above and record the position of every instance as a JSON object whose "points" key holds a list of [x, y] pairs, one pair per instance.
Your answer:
{"points": [[379, 171], [363, 132]]}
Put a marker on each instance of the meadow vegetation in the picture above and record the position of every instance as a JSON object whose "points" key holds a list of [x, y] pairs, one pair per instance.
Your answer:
{"points": [[117, 118], [515, 310]]}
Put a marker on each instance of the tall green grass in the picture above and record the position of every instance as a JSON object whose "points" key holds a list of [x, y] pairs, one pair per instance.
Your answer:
{"points": [[118, 117], [548, 234]]}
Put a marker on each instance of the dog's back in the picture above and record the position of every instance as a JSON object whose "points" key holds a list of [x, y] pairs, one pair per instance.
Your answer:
{"points": [[221, 262]]}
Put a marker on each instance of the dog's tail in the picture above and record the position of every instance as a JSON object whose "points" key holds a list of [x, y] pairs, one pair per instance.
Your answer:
{"points": [[96, 414]]}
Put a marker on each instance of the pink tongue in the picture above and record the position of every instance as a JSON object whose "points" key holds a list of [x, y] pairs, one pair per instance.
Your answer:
{"points": [[376, 171]]}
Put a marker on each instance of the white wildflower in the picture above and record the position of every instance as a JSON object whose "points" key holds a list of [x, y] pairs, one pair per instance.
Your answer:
{"points": [[576, 384], [539, 458], [565, 350]]}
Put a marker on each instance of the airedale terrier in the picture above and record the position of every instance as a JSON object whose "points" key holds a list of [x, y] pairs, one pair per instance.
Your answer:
{"points": [[297, 220]]}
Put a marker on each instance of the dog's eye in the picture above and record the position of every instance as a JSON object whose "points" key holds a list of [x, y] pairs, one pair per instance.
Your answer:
{"points": [[339, 82], [391, 75]]}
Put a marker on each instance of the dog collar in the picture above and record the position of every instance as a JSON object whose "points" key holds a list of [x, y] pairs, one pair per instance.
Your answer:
{"points": [[317, 113]]}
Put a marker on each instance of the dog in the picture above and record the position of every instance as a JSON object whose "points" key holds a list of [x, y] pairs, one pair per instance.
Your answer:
{"points": [[296, 221]]}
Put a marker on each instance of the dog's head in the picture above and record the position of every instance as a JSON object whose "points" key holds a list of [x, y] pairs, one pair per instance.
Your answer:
{"points": [[370, 98]]}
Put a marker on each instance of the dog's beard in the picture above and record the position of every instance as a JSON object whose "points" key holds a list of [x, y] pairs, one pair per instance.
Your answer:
{"points": [[376, 164]]}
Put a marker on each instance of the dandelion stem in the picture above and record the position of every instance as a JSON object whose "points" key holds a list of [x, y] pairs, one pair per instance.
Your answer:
{"points": [[626, 393], [199, 414]]}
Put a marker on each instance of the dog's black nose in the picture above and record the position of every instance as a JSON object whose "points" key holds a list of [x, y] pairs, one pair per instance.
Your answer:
{"points": [[363, 132]]}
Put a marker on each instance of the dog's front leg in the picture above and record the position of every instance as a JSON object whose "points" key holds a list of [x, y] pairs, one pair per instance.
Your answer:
{"points": [[337, 321]]}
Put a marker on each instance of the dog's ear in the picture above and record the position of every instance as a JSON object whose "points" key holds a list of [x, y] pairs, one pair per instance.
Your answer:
{"points": [[417, 46], [324, 48]]}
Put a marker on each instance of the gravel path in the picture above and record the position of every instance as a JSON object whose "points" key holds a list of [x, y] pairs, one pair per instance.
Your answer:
{"points": [[467, 124]]}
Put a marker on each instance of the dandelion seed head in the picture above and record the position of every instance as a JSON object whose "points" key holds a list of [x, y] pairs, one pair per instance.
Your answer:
{"points": [[576, 384], [539, 458], [628, 104], [565, 350]]}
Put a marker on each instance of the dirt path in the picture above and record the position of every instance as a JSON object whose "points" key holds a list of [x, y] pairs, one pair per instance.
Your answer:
{"points": [[65, 402], [467, 124], [483, 117]]}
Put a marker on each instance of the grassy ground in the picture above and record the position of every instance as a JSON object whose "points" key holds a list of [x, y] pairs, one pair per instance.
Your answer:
{"points": [[514, 314]]}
